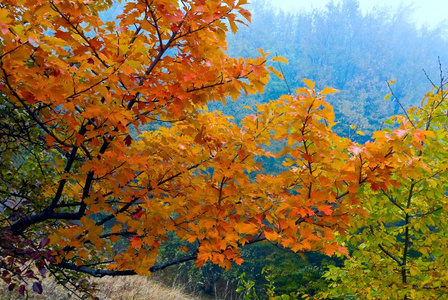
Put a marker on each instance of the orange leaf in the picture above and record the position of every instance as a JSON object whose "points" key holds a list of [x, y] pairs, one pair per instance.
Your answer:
{"points": [[271, 235], [136, 242]]}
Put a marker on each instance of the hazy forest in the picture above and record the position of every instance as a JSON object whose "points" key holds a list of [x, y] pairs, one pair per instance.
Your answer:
{"points": [[234, 149]]}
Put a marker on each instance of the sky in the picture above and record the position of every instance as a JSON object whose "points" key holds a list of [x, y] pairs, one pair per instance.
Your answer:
{"points": [[427, 12]]}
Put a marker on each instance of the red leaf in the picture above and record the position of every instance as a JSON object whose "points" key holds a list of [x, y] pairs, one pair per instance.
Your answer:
{"points": [[177, 108], [11, 287], [307, 157], [63, 35], [343, 250], [375, 186], [51, 259], [128, 140], [138, 213], [44, 242], [326, 209], [22, 290], [29, 274], [90, 61], [37, 287]]}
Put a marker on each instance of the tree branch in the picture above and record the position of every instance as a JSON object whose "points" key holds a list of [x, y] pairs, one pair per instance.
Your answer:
{"points": [[102, 273]]}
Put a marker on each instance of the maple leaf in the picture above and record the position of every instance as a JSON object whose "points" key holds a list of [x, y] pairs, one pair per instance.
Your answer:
{"points": [[238, 260], [138, 213], [328, 210], [271, 235], [128, 140], [136, 242]]}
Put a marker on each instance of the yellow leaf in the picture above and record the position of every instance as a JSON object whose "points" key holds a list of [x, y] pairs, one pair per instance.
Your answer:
{"points": [[280, 58], [413, 271], [352, 127], [309, 83], [55, 238], [277, 73], [328, 90], [262, 53], [360, 133]]}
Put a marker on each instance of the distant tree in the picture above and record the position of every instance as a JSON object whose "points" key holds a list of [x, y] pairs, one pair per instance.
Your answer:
{"points": [[354, 51]]}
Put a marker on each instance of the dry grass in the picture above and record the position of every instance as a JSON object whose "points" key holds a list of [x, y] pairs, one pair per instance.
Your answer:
{"points": [[116, 288], [127, 288]]}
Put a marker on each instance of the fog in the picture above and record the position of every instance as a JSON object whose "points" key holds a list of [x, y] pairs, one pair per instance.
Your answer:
{"points": [[424, 12]]}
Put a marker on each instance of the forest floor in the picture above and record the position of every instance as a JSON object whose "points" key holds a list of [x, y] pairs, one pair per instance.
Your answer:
{"points": [[122, 288]]}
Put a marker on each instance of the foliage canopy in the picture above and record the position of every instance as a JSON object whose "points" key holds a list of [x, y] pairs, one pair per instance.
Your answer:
{"points": [[81, 195]]}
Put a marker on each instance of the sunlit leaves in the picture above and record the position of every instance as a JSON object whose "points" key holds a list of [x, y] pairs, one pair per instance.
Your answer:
{"points": [[83, 83]]}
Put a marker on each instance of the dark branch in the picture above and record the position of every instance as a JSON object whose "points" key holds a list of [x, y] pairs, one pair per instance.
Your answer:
{"points": [[102, 273]]}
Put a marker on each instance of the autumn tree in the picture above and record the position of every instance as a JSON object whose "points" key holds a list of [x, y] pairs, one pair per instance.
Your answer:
{"points": [[75, 183], [401, 247]]}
